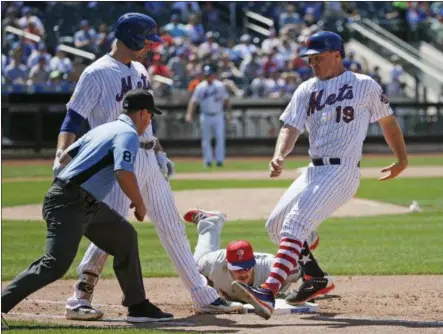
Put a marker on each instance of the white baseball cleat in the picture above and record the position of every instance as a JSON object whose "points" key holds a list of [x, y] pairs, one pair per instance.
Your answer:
{"points": [[83, 312], [195, 215], [220, 306]]}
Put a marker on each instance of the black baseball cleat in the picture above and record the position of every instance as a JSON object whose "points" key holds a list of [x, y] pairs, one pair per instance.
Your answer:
{"points": [[146, 312], [315, 286]]}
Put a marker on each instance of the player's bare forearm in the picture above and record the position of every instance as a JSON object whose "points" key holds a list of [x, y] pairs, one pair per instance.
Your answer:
{"points": [[394, 138], [190, 111], [286, 141], [64, 140], [129, 185]]}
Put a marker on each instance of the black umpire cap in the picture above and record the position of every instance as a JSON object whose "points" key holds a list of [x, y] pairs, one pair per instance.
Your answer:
{"points": [[140, 99]]}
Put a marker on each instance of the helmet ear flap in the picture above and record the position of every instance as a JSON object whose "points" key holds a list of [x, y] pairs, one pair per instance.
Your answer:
{"points": [[138, 42]]}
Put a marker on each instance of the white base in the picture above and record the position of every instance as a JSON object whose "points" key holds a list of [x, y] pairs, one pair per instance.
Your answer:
{"points": [[283, 308]]}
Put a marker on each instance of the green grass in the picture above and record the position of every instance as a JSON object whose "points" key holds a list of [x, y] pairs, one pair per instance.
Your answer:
{"points": [[44, 328], [406, 244], [32, 170], [399, 191]]}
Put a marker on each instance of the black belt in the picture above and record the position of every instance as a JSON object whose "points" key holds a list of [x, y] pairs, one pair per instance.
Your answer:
{"points": [[332, 161], [69, 185], [147, 145]]}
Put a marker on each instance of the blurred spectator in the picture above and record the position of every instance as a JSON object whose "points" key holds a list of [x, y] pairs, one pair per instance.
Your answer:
{"points": [[27, 48], [60, 62], [194, 67], [350, 61], [258, 86], [227, 69], [210, 15], [78, 66], [177, 69], [210, 47], [39, 74], [158, 68], [31, 29], [85, 38], [270, 42], [186, 9], [376, 76], [15, 72], [34, 58], [104, 39], [250, 67], [234, 55], [290, 84], [194, 83], [436, 28], [397, 70], [28, 18], [175, 28], [245, 48], [289, 17], [194, 29]]}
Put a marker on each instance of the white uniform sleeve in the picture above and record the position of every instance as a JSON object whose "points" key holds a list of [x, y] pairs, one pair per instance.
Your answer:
{"points": [[378, 103], [296, 112], [86, 95], [196, 97]]}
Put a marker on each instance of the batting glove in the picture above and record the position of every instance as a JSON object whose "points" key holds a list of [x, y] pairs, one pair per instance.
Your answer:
{"points": [[166, 165]]}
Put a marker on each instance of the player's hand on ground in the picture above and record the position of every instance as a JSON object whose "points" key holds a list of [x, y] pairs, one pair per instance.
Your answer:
{"points": [[276, 166], [188, 118], [393, 170], [140, 211]]}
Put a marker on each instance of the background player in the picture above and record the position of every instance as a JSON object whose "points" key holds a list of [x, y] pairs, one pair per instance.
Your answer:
{"points": [[73, 207], [213, 98], [238, 261], [335, 108], [98, 98]]}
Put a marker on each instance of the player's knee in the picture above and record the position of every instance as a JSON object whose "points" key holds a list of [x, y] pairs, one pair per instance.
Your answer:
{"points": [[56, 266]]}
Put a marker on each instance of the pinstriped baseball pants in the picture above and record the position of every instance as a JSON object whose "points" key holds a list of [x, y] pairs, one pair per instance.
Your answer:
{"points": [[312, 198], [161, 209]]}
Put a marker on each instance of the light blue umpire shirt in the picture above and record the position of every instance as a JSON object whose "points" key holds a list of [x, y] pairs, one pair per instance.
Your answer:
{"points": [[99, 154]]}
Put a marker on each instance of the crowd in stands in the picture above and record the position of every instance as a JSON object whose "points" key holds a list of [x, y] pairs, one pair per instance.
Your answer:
{"points": [[193, 36]]}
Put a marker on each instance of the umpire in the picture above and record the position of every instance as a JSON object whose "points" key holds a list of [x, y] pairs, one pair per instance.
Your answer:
{"points": [[73, 207]]}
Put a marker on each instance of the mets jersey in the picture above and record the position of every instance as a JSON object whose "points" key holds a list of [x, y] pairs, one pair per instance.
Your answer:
{"points": [[336, 113], [213, 266], [99, 94], [210, 97]]}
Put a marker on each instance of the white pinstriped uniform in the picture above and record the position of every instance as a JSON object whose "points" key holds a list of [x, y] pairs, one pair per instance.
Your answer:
{"points": [[336, 113], [98, 97]]}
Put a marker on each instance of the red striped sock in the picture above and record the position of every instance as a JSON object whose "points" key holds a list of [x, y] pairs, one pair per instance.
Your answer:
{"points": [[285, 261]]}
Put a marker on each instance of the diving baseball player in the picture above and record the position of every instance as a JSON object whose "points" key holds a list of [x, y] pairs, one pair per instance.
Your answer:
{"points": [[335, 108], [100, 160], [238, 261], [98, 97], [213, 98]]}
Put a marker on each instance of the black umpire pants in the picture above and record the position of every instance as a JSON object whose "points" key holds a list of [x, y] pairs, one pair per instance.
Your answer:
{"points": [[70, 213]]}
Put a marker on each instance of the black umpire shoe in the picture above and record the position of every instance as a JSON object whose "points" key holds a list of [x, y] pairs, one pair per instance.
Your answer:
{"points": [[310, 289], [147, 312]]}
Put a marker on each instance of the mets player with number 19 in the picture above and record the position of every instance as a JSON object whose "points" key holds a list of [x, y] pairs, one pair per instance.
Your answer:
{"points": [[335, 108], [213, 98], [98, 97]]}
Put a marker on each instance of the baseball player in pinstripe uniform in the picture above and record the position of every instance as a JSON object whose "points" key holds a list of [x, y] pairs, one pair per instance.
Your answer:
{"points": [[98, 97], [74, 207], [213, 98], [335, 108], [239, 262]]}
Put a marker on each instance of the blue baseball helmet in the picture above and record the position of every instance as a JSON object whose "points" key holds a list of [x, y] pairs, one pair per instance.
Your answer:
{"points": [[324, 41], [134, 28], [208, 70]]}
